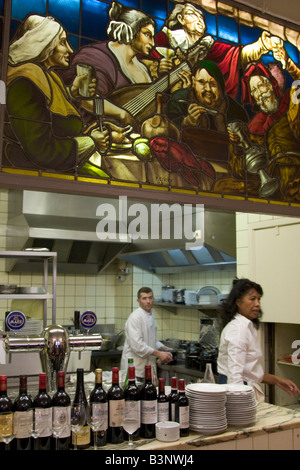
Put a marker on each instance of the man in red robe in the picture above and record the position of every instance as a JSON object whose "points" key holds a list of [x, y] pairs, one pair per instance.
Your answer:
{"points": [[184, 33]]}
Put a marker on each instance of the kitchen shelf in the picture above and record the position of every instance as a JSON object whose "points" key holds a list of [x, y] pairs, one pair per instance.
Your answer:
{"points": [[45, 257], [285, 363], [174, 307]]}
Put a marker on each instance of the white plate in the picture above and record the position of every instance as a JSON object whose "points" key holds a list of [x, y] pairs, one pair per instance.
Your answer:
{"points": [[206, 388]]}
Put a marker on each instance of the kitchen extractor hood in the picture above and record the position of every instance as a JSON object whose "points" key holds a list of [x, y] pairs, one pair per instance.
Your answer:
{"points": [[68, 225], [62, 223], [217, 250]]}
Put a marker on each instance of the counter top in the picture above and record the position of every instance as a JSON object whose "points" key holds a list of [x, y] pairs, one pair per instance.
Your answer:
{"points": [[271, 420]]}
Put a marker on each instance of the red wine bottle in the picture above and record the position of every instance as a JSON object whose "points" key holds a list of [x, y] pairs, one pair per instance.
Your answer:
{"points": [[82, 439], [148, 405], [99, 410], [173, 401], [61, 423], [116, 404], [132, 406], [6, 420], [184, 410], [162, 402], [23, 417], [42, 416]]}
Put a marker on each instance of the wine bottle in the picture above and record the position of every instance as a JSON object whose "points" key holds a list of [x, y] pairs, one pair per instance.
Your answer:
{"points": [[130, 363], [116, 404], [82, 438], [148, 406], [23, 417], [61, 403], [42, 404], [132, 410], [184, 409], [162, 402], [173, 401], [6, 419], [99, 410]]}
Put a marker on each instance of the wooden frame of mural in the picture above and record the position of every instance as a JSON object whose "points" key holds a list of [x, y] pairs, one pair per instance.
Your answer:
{"points": [[175, 114]]}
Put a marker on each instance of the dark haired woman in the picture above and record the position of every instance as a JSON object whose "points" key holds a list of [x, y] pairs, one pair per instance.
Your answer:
{"points": [[116, 62], [240, 358]]}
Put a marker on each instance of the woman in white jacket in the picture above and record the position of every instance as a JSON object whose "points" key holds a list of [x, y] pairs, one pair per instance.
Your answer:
{"points": [[240, 358]]}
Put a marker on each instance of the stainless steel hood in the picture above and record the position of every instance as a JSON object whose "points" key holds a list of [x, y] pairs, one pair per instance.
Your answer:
{"points": [[67, 224], [218, 250]]}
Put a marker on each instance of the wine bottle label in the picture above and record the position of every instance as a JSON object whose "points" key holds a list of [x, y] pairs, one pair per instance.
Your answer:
{"points": [[149, 411], [43, 422], [62, 421], [100, 415], [133, 411], [116, 413], [6, 424], [163, 411], [23, 424], [184, 417], [82, 437]]}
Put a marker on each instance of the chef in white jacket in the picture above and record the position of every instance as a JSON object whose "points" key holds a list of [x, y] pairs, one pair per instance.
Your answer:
{"points": [[140, 337]]}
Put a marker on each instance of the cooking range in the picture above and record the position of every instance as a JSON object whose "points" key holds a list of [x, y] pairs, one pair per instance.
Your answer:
{"points": [[196, 354]]}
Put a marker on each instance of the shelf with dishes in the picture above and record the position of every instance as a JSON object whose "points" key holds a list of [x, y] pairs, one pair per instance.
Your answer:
{"points": [[207, 298]]}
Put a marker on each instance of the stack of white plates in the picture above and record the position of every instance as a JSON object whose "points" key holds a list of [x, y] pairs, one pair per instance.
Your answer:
{"points": [[240, 405], [207, 407]]}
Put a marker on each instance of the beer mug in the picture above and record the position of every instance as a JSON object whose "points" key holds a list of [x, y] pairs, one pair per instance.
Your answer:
{"points": [[89, 71]]}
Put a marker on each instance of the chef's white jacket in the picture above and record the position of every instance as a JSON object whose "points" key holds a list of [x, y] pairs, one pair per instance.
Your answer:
{"points": [[240, 357], [140, 341]]}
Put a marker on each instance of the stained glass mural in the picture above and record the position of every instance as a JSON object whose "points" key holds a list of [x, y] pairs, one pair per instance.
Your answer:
{"points": [[196, 97]]}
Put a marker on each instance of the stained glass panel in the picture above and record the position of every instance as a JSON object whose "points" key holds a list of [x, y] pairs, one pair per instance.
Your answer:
{"points": [[174, 104], [20, 9], [67, 12]]}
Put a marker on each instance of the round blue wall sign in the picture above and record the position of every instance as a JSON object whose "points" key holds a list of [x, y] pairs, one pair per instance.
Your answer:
{"points": [[88, 319], [15, 320]]}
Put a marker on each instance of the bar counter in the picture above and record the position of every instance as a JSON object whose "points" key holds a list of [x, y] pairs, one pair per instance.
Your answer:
{"points": [[276, 428]]}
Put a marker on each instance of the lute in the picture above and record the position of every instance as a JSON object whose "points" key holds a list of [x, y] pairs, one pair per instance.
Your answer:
{"points": [[139, 100]]}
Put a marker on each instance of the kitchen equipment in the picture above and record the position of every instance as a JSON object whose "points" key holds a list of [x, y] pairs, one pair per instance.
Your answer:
{"points": [[54, 346], [178, 296], [174, 360], [208, 340], [190, 297], [7, 288], [208, 295], [192, 360], [30, 290], [167, 293]]}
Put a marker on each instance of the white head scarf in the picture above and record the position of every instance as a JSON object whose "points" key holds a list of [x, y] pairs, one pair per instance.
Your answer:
{"points": [[38, 32]]}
